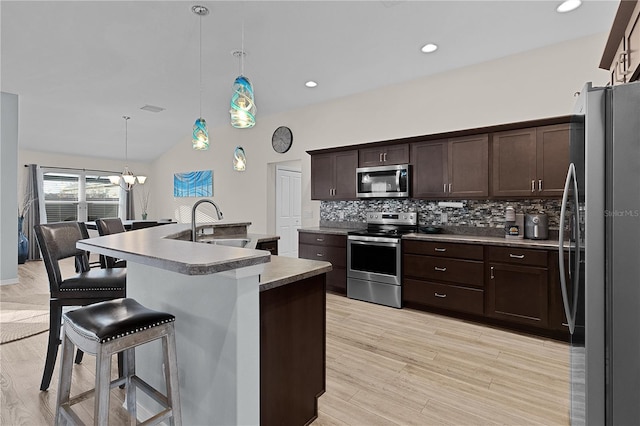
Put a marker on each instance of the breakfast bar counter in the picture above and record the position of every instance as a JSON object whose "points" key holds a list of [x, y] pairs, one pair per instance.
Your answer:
{"points": [[250, 327]]}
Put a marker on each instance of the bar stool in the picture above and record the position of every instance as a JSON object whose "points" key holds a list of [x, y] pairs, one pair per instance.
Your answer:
{"points": [[109, 327]]}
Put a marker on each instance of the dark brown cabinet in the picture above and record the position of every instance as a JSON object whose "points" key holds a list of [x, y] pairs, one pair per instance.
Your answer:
{"points": [[622, 51], [270, 246], [517, 285], [330, 248], [452, 168], [384, 155], [443, 276], [333, 175], [530, 162]]}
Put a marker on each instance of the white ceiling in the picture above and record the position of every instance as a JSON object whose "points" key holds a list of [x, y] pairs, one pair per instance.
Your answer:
{"points": [[79, 66]]}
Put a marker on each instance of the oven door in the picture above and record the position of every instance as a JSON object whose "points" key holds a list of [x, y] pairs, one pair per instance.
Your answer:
{"points": [[374, 259]]}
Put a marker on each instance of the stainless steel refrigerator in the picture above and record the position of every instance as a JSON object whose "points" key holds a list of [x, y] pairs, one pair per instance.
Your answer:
{"points": [[599, 254]]}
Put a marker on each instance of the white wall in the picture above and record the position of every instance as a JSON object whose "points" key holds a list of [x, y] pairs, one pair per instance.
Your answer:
{"points": [[536, 84], [8, 192]]}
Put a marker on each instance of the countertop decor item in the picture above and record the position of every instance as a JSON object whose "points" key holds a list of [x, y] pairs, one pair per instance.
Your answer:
{"points": [[200, 139], [282, 139], [430, 229], [127, 180]]}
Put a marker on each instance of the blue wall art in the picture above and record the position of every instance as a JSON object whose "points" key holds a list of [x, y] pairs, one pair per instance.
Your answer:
{"points": [[193, 184]]}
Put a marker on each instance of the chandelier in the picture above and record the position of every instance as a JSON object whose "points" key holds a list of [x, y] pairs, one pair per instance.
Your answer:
{"points": [[127, 180]]}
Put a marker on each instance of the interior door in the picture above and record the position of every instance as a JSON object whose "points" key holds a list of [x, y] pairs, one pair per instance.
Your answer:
{"points": [[288, 210]]}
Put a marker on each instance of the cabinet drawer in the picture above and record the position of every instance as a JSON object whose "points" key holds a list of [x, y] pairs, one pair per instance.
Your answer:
{"points": [[517, 256], [432, 248], [452, 297], [322, 239], [468, 272], [337, 256]]}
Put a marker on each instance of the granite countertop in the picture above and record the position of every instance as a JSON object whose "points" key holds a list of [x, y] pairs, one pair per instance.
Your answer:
{"points": [[328, 230], [474, 239], [162, 247], [285, 270]]}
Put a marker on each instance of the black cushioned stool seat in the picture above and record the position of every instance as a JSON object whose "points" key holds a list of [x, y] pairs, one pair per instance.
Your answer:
{"points": [[105, 328]]}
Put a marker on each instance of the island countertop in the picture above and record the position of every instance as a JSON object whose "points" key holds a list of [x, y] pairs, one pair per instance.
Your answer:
{"points": [[164, 247]]}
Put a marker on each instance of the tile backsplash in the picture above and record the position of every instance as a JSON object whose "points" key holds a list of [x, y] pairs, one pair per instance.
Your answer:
{"points": [[473, 214]]}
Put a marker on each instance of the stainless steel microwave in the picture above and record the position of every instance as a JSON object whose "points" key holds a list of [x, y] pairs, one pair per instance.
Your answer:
{"points": [[383, 181]]}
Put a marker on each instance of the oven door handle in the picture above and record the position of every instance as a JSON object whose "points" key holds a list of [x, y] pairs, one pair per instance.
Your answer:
{"points": [[374, 243]]}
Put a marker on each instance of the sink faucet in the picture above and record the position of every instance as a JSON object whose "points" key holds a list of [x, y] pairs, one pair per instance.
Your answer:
{"points": [[193, 215]]}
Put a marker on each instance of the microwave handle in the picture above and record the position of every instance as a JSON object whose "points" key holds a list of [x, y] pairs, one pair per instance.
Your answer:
{"points": [[398, 180]]}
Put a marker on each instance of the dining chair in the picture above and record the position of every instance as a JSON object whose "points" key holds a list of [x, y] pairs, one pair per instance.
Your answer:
{"points": [[145, 224], [108, 226], [57, 241]]}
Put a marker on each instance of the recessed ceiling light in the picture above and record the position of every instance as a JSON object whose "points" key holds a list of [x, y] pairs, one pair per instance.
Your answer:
{"points": [[568, 6], [311, 83], [429, 47]]}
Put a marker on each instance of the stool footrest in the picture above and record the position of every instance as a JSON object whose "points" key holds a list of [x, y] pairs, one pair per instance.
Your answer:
{"points": [[152, 392]]}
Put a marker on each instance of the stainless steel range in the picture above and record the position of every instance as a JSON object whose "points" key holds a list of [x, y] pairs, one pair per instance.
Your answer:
{"points": [[374, 262]]}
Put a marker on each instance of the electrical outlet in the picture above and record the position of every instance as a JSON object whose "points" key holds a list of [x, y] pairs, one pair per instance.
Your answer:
{"points": [[443, 218], [341, 215]]}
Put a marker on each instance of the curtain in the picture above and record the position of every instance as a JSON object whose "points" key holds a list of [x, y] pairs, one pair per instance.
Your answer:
{"points": [[32, 217], [130, 211]]}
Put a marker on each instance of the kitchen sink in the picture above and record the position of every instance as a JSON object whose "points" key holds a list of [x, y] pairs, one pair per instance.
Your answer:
{"points": [[232, 242]]}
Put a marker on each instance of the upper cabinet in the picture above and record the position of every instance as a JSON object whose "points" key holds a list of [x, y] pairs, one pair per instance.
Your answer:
{"points": [[333, 175], [451, 168], [622, 52], [530, 162], [384, 155]]}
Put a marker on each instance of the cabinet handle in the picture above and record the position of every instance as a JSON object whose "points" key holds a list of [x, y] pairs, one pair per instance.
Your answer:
{"points": [[319, 254], [533, 185], [385, 157], [539, 184], [440, 295], [449, 187], [440, 249], [381, 157], [320, 239], [440, 269], [622, 61], [492, 276], [516, 256], [444, 187]]}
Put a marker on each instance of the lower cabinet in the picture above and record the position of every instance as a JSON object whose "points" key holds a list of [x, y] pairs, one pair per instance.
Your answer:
{"points": [[513, 287], [444, 276], [330, 248]]}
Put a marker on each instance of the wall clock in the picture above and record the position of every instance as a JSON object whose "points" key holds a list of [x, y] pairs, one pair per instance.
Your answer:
{"points": [[282, 139]]}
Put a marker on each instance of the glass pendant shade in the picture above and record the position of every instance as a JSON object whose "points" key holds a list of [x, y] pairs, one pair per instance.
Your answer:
{"points": [[200, 134], [243, 107], [239, 159]]}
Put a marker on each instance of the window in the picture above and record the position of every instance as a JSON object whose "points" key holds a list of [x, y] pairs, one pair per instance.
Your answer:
{"points": [[79, 195]]}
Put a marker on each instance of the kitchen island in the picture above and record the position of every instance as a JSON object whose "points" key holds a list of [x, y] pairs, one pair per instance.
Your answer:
{"points": [[250, 327]]}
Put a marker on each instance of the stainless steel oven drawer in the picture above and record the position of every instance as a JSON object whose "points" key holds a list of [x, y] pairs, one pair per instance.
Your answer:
{"points": [[376, 292]]}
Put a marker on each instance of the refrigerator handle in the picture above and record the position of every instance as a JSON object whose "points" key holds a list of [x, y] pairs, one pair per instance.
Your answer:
{"points": [[569, 312]]}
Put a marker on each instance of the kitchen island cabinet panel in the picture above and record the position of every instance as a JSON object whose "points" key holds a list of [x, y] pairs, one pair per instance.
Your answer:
{"points": [[292, 352]]}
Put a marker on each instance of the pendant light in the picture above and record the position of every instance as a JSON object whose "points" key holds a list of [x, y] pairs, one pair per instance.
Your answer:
{"points": [[127, 180], [239, 159], [200, 140], [243, 107]]}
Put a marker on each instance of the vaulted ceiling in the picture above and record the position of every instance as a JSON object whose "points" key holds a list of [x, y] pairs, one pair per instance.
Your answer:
{"points": [[79, 66]]}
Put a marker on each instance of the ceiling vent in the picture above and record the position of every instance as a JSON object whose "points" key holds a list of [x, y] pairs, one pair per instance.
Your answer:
{"points": [[152, 108]]}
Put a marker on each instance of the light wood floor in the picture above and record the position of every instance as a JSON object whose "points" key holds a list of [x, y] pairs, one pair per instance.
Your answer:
{"points": [[385, 366]]}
